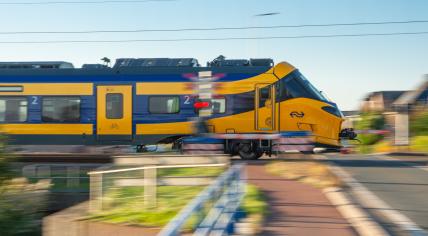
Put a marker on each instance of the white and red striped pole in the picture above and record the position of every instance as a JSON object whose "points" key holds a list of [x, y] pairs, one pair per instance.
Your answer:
{"points": [[205, 93]]}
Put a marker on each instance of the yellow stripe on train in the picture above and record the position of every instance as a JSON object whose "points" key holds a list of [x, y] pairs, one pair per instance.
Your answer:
{"points": [[58, 129], [185, 127]]}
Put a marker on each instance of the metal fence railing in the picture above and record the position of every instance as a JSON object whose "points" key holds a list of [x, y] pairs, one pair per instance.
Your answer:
{"points": [[223, 196]]}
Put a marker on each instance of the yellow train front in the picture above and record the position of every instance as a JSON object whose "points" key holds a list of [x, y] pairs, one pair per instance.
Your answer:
{"points": [[151, 100]]}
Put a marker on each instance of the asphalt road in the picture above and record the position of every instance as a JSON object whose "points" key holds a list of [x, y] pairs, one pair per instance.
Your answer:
{"points": [[401, 182]]}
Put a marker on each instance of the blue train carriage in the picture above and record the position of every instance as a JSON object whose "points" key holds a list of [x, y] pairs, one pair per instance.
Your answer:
{"points": [[151, 100]]}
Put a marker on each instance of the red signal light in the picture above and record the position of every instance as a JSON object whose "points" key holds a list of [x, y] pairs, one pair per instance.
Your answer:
{"points": [[200, 105]]}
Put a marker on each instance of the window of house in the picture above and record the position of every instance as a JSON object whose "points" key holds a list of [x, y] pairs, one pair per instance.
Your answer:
{"points": [[13, 109], [61, 109], [164, 104]]}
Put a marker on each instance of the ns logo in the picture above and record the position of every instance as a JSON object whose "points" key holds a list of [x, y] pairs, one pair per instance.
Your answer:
{"points": [[295, 114]]}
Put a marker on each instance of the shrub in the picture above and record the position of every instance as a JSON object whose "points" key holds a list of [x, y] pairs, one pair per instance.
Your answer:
{"points": [[419, 124], [21, 203], [370, 121]]}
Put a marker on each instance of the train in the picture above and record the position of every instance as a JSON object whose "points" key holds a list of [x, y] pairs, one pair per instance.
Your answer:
{"points": [[141, 101]]}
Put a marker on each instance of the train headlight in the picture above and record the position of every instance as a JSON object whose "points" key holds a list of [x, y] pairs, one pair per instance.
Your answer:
{"points": [[333, 110]]}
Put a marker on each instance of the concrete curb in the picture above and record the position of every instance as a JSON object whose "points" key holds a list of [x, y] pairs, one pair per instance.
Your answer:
{"points": [[353, 213]]}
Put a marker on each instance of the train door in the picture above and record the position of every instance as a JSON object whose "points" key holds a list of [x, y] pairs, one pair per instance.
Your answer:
{"points": [[114, 112], [265, 107]]}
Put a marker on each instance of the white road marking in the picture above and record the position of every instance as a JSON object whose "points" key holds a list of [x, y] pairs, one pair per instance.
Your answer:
{"points": [[370, 200]]}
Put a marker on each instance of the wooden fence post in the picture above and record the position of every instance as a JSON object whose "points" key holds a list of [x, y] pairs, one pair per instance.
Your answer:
{"points": [[150, 185]]}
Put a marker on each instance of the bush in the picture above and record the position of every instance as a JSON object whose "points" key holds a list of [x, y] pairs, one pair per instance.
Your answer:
{"points": [[419, 143], [21, 203], [370, 121], [419, 124]]}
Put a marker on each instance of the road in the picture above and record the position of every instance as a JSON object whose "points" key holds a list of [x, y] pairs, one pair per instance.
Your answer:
{"points": [[400, 182]]}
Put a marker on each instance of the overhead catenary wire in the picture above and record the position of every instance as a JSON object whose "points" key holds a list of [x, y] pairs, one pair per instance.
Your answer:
{"points": [[216, 39], [216, 28], [81, 2]]}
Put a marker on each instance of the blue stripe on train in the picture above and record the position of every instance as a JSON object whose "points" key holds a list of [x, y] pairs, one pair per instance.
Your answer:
{"points": [[111, 79]]}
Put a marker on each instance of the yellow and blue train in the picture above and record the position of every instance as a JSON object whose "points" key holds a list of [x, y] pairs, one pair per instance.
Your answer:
{"points": [[151, 100]]}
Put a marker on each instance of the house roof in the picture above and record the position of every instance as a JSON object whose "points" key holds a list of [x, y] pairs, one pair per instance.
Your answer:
{"points": [[412, 96], [387, 95]]}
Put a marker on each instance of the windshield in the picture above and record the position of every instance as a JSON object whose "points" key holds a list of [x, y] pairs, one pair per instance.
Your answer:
{"points": [[296, 85]]}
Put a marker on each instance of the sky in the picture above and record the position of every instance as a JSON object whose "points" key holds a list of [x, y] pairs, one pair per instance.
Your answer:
{"points": [[345, 68]]}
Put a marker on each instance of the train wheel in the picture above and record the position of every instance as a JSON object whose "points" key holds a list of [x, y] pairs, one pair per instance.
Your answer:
{"points": [[247, 151], [141, 148]]}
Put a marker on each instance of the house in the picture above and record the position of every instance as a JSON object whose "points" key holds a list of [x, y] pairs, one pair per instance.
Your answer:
{"points": [[414, 99], [397, 108], [380, 101]]}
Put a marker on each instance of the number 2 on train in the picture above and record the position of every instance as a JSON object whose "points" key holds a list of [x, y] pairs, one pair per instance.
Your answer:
{"points": [[34, 100]]}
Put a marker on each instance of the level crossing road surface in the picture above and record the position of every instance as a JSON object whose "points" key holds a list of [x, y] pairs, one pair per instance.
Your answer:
{"points": [[400, 182], [296, 208]]}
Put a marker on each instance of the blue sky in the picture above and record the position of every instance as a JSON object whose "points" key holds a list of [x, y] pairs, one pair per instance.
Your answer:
{"points": [[345, 68]]}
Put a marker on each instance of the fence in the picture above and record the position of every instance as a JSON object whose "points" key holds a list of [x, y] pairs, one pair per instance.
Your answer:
{"points": [[104, 183], [64, 177], [225, 194]]}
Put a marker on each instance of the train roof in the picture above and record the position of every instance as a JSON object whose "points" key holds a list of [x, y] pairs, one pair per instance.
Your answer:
{"points": [[135, 66]]}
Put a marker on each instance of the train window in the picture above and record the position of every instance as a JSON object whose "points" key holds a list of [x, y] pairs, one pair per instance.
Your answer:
{"points": [[265, 92], [164, 104], [218, 105], [13, 109], [265, 95], [11, 88], [114, 106], [61, 109], [296, 85]]}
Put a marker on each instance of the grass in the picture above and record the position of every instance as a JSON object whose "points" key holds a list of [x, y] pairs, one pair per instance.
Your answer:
{"points": [[127, 206], [309, 172], [417, 144], [201, 171], [254, 201]]}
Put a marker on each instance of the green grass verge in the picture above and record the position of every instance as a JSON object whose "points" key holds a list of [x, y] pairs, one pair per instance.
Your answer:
{"points": [[419, 144], [126, 206], [201, 171], [254, 201]]}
